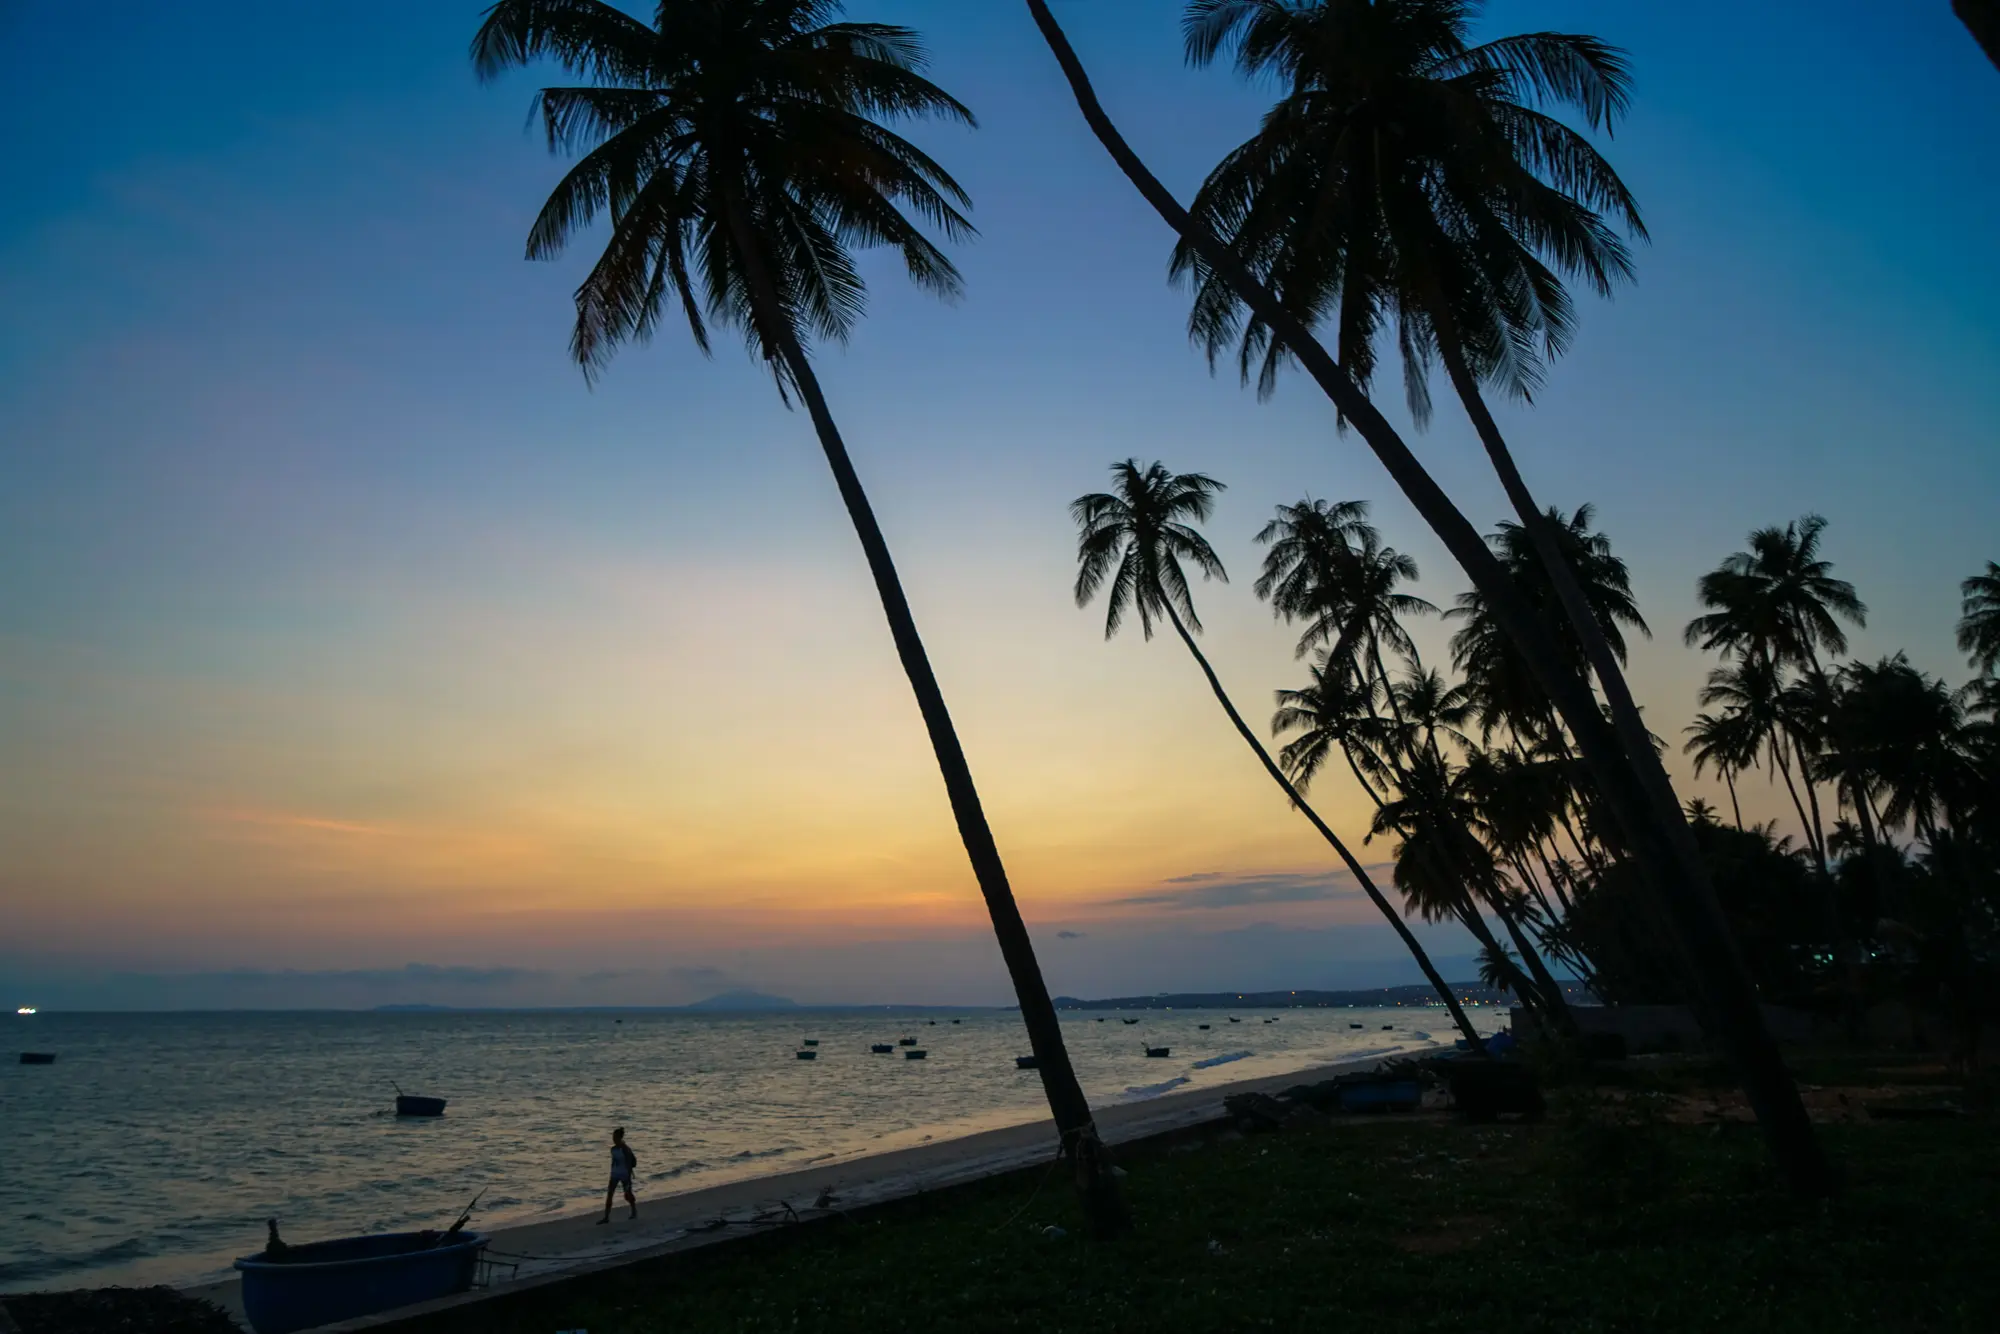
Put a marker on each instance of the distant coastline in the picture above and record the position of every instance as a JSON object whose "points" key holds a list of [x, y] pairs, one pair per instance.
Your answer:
{"points": [[1419, 995]]}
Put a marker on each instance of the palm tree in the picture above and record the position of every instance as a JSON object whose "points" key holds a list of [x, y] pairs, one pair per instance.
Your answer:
{"points": [[1498, 677], [1730, 742], [1979, 623], [1900, 733], [1410, 177], [740, 151], [1131, 543], [1631, 783], [1754, 713], [1778, 600]]}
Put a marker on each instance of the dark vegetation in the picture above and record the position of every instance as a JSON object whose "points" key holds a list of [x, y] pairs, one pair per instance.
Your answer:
{"points": [[1641, 1202], [114, 1311]]}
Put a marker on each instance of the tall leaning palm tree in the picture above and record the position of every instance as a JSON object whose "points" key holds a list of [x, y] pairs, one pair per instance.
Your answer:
{"points": [[1410, 179], [1632, 785], [740, 150], [1130, 546]]}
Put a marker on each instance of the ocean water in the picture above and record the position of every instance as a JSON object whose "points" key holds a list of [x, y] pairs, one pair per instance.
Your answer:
{"points": [[157, 1144]]}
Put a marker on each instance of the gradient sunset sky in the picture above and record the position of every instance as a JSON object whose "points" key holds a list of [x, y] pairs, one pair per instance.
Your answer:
{"points": [[343, 626]]}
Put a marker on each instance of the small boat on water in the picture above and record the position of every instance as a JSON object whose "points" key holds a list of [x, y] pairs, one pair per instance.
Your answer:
{"points": [[812, 1042], [806, 1054], [411, 1105], [882, 1048], [955, 1021], [25, 1010], [1026, 1063], [1388, 1028], [1202, 1027], [1128, 1021], [1157, 1052], [914, 1054], [38, 1058], [1354, 1025], [1234, 1020], [906, 1042]]}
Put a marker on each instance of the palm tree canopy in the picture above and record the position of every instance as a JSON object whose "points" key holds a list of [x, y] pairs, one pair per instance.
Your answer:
{"points": [[1894, 730], [725, 140], [1135, 537], [1496, 674], [1979, 623], [1410, 177], [1730, 741], [1335, 710], [1778, 599], [1325, 565]]}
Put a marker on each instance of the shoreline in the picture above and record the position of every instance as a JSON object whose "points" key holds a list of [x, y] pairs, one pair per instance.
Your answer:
{"points": [[576, 1244]]}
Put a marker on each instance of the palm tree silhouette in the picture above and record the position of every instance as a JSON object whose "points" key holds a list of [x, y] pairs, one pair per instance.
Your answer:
{"points": [[1130, 545], [1901, 734], [1505, 690], [1730, 743], [1410, 178], [1779, 602], [740, 151], [1979, 623], [1755, 716], [1632, 785], [1982, 20]]}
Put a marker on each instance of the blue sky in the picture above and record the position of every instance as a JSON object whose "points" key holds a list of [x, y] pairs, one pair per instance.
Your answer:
{"points": [[342, 625]]}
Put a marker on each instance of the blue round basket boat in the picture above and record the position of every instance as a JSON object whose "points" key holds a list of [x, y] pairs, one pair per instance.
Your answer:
{"points": [[325, 1281]]}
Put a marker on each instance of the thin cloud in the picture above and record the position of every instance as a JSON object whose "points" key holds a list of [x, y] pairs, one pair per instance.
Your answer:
{"points": [[1208, 890]]}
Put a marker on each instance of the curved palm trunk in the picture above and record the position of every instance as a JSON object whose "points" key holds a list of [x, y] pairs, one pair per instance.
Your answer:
{"points": [[1354, 866], [1784, 767], [1103, 1204], [1982, 20], [1545, 981], [1516, 981], [1632, 783], [1729, 781]]}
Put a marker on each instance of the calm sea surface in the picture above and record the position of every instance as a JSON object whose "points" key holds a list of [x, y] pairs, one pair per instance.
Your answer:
{"points": [[157, 1144]]}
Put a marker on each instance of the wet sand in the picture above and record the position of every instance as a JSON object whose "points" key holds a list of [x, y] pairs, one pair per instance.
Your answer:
{"points": [[567, 1246]]}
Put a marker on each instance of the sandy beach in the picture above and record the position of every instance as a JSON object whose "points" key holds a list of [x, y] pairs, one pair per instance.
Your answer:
{"points": [[579, 1243]]}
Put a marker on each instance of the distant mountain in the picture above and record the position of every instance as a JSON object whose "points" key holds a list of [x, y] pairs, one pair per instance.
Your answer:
{"points": [[745, 1000], [1284, 1000]]}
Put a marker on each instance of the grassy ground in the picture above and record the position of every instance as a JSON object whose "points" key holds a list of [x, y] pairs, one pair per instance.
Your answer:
{"points": [[1608, 1216]]}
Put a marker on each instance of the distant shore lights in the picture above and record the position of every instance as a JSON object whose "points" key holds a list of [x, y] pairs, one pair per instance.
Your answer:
{"points": [[25, 1009]]}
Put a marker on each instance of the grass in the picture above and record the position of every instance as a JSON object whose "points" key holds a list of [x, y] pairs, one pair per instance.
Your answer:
{"points": [[1604, 1217]]}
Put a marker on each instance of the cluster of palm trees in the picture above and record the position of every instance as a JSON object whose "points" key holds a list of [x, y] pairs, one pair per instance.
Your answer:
{"points": [[1410, 185]]}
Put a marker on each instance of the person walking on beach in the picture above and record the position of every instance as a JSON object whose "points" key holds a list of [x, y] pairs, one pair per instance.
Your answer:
{"points": [[623, 1161]]}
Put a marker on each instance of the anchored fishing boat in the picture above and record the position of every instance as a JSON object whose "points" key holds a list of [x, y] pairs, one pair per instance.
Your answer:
{"points": [[410, 1104]]}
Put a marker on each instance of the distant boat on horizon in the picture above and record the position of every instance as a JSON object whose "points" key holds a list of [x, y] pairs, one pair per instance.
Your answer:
{"points": [[26, 1009]]}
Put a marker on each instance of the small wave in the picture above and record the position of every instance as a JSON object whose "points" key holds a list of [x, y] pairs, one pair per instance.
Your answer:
{"points": [[49, 1266], [1421, 1036], [1223, 1059], [691, 1165], [1139, 1091], [763, 1153]]}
